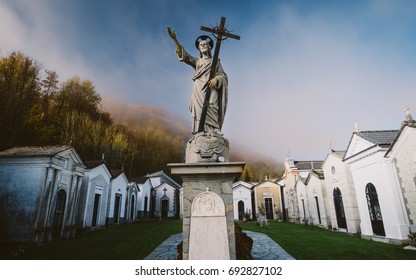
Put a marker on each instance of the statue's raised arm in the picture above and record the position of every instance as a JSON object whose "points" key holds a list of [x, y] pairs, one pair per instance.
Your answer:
{"points": [[172, 34]]}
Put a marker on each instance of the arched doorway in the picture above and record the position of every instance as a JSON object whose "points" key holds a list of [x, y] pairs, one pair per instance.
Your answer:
{"points": [[59, 213], [374, 210], [241, 210], [339, 209]]}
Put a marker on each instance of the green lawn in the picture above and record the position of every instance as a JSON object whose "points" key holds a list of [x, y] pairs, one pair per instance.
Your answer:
{"points": [[120, 242], [305, 242], [136, 240]]}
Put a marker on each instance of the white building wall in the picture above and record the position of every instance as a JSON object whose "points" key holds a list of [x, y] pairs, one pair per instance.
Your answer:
{"points": [[376, 169], [19, 198], [241, 193], [96, 181], [404, 162], [315, 192], [145, 191], [170, 195], [118, 187], [341, 179], [28, 196], [131, 208], [303, 202]]}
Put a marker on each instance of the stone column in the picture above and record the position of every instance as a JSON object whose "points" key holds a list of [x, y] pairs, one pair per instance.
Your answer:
{"points": [[204, 179]]}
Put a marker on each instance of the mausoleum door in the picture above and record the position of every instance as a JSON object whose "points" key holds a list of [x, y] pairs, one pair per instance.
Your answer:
{"points": [[145, 207], [374, 210], [240, 210], [269, 208], [132, 206], [165, 207], [59, 213], [96, 208], [117, 209], [339, 209]]}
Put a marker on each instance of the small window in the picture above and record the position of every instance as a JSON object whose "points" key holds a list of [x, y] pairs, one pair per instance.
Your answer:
{"points": [[333, 169]]}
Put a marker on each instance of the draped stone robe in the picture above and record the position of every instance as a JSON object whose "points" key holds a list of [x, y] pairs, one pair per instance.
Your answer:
{"points": [[219, 96]]}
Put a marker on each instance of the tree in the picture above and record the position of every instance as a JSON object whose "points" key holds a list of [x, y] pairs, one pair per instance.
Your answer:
{"points": [[19, 95], [79, 96], [45, 130], [78, 118], [37, 111], [247, 175], [49, 89]]}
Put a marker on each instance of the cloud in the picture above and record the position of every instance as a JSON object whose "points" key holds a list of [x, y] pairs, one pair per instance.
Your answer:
{"points": [[300, 77], [309, 80], [36, 31]]}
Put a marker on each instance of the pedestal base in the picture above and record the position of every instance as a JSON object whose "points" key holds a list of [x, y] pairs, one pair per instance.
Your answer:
{"points": [[208, 199], [207, 147]]}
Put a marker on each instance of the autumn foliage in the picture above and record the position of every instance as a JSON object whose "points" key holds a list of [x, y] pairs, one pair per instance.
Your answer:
{"points": [[37, 109]]}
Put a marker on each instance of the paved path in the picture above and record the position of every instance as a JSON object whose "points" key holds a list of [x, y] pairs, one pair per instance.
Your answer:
{"points": [[264, 248]]}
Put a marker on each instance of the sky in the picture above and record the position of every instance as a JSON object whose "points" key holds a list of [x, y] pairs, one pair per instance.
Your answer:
{"points": [[300, 78]]}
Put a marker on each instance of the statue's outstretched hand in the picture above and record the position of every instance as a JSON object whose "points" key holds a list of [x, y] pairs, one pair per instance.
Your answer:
{"points": [[171, 32]]}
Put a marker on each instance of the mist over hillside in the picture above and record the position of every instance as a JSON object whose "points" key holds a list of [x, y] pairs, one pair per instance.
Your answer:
{"points": [[143, 114], [128, 114]]}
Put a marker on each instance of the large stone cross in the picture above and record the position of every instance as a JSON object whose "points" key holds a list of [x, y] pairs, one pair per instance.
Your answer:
{"points": [[220, 33]]}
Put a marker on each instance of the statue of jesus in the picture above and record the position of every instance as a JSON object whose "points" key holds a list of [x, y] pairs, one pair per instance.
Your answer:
{"points": [[218, 85]]}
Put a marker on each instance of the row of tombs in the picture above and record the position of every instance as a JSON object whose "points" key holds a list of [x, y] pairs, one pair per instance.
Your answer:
{"points": [[49, 193], [369, 189]]}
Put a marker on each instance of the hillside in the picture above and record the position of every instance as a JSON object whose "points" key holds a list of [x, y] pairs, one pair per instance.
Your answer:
{"points": [[131, 115]]}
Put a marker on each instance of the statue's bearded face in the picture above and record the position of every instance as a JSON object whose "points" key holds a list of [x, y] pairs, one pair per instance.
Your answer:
{"points": [[204, 47]]}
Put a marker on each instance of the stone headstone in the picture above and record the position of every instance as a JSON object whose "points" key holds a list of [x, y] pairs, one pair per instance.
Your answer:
{"points": [[208, 228]]}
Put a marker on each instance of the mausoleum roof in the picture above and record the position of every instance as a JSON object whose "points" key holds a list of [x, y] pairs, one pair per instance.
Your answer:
{"points": [[116, 173], [140, 179], [308, 165], [31, 151], [93, 163], [379, 137], [339, 154]]}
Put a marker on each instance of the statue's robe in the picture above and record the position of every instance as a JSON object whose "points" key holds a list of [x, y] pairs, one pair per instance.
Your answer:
{"points": [[219, 96]]}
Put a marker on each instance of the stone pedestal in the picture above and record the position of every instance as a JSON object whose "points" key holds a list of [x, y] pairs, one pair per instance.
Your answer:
{"points": [[208, 218]]}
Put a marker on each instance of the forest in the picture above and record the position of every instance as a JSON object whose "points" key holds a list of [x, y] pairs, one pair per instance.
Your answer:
{"points": [[36, 109]]}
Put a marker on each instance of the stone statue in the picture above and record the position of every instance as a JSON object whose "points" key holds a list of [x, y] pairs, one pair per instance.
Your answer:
{"points": [[218, 85]]}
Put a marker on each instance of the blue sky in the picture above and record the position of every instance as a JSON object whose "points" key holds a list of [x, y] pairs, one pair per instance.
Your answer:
{"points": [[302, 75]]}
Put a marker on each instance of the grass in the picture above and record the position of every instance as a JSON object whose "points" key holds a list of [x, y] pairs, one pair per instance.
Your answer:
{"points": [[305, 242], [120, 242], [136, 240]]}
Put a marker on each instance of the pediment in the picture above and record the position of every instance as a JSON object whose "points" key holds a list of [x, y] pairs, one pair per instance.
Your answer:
{"points": [[242, 184], [71, 155], [100, 180], [405, 139], [357, 145]]}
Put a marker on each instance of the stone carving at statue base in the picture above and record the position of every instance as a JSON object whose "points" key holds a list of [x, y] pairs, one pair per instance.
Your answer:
{"points": [[207, 147]]}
